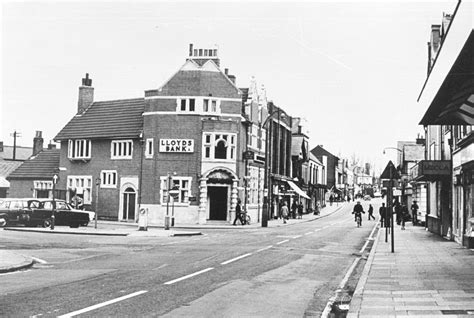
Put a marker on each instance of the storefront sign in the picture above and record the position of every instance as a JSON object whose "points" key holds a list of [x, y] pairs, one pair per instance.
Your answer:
{"points": [[436, 167], [176, 145]]}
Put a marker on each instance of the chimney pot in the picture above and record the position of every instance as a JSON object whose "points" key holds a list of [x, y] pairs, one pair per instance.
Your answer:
{"points": [[190, 49], [86, 94], [226, 71], [37, 143]]}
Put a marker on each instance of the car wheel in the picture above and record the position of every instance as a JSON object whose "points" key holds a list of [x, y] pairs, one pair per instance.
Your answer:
{"points": [[46, 223], [3, 221], [74, 225]]}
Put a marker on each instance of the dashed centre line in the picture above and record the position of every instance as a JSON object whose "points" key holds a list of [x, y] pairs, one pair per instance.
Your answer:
{"points": [[264, 249], [309, 233], [78, 312], [281, 242], [236, 259], [188, 276]]}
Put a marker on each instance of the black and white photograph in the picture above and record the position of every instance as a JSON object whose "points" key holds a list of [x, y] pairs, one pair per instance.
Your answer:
{"points": [[224, 159]]}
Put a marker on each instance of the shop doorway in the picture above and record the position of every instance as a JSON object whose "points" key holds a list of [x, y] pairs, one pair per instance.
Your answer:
{"points": [[217, 203], [129, 203]]}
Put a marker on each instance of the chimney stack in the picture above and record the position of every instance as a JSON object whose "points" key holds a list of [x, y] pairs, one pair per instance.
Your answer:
{"points": [[86, 94], [37, 143]]}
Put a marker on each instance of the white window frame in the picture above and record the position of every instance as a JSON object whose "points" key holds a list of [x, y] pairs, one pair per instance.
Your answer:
{"points": [[82, 185], [184, 184], [108, 179], [214, 106], [215, 137], [121, 149], [149, 148], [79, 149]]}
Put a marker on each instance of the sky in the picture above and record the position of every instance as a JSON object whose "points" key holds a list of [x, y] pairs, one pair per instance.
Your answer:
{"points": [[352, 69]]}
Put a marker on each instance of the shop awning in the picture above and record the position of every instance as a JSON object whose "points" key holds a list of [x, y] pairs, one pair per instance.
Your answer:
{"points": [[297, 190], [448, 93]]}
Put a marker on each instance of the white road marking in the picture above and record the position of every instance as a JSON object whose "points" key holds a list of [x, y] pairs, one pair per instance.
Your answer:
{"points": [[265, 248], [188, 276], [78, 312], [235, 259], [308, 233], [284, 241], [368, 239], [38, 260], [297, 236]]}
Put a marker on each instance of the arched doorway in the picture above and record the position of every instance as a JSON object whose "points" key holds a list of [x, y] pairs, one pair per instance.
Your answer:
{"points": [[219, 194], [129, 204]]}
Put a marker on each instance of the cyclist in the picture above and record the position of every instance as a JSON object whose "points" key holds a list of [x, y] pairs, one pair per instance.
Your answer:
{"points": [[358, 210]]}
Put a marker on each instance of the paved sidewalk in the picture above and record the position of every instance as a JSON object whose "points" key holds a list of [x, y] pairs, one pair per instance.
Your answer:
{"points": [[426, 276], [12, 261]]}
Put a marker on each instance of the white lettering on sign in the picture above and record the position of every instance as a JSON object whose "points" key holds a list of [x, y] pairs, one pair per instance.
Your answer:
{"points": [[176, 145]]}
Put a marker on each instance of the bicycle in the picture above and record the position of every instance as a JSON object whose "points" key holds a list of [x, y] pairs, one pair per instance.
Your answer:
{"points": [[358, 220], [245, 218]]}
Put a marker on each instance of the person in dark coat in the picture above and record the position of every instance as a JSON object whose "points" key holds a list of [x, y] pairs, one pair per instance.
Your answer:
{"points": [[382, 212], [300, 211], [238, 212], [331, 199], [414, 212], [397, 208], [371, 212], [358, 210], [294, 207]]}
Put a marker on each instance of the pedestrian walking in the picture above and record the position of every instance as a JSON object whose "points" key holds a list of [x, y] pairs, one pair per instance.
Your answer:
{"points": [[405, 215], [316, 209], [238, 213], [382, 212], [331, 199], [371, 212], [300, 211], [414, 212], [294, 207], [284, 212], [398, 211]]}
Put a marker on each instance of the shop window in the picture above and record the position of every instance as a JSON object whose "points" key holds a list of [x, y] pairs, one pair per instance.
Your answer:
{"points": [[181, 184], [81, 186]]}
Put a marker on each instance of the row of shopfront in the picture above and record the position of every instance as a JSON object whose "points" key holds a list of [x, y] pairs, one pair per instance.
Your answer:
{"points": [[444, 181]]}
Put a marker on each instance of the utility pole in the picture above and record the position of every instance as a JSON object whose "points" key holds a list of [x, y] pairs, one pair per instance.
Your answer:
{"points": [[15, 134]]}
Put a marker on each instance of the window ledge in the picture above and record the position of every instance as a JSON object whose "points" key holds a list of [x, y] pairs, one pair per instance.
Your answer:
{"points": [[79, 159]]}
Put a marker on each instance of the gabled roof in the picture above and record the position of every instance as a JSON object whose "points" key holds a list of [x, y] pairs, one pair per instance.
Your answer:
{"points": [[106, 119], [319, 151], [41, 166], [7, 167], [21, 153], [315, 159], [205, 80]]}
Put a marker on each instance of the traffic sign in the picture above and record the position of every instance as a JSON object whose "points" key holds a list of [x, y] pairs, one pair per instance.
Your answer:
{"points": [[390, 172]]}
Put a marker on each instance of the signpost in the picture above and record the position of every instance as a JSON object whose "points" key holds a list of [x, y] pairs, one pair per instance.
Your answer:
{"points": [[390, 173], [174, 193], [55, 180]]}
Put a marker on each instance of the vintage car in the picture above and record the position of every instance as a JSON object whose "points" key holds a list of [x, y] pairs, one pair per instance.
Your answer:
{"points": [[11, 210], [34, 212]]}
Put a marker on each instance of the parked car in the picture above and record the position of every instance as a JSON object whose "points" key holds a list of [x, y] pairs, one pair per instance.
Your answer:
{"points": [[12, 210], [367, 197], [34, 212]]}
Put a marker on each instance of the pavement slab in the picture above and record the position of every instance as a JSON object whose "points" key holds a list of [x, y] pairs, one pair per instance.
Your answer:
{"points": [[426, 276]]}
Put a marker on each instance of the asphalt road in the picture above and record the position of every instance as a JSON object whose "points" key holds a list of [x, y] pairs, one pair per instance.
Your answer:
{"points": [[288, 271]]}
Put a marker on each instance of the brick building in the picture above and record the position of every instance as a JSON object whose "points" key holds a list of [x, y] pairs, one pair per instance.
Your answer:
{"points": [[194, 146]]}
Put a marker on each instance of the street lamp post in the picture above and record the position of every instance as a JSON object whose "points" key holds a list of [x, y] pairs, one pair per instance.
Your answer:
{"points": [[53, 216]]}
